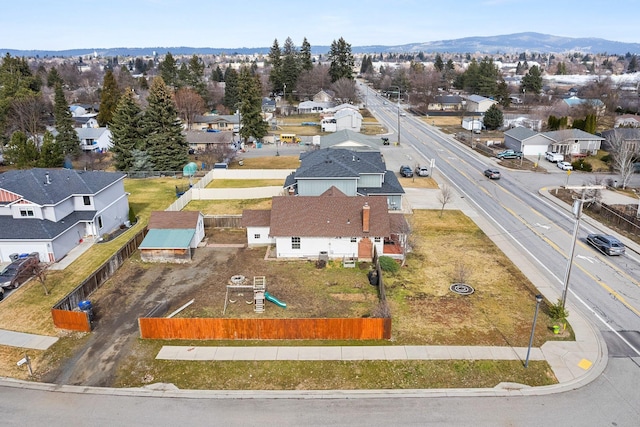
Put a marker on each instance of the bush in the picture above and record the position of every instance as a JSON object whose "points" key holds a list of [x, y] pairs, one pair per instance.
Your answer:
{"points": [[388, 264], [606, 158], [557, 312], [582, 165]]}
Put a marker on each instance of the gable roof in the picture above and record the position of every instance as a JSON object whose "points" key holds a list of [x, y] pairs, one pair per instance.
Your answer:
{"points": [[39, 229], [478, 99], [347, 138], [51, 186], [520, 133], [332, 214], [626, 134], [391, 185], [573, 134], [256, 218], [339, 163], [173, 220], [91, 133]]}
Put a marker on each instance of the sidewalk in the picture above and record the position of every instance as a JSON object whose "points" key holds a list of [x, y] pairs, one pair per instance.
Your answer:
{"points": [[23, 340]]}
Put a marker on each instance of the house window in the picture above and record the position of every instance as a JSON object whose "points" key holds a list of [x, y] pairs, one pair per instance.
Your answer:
{"points": [[376, 239], [26, 212], [256, 236], [99, 222], [86, 200], [353, 240], [295, 243]]}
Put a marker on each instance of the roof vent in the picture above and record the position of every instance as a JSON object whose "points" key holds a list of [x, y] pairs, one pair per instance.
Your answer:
{"points": [[47, 180]]}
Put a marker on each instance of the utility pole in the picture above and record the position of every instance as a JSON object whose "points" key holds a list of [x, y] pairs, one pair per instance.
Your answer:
{"points": [[577, 211]]}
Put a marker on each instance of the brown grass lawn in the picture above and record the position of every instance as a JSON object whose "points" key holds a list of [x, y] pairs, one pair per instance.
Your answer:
{"points": [[419, 182], [227, 207], [244, 183], [279, 162]]}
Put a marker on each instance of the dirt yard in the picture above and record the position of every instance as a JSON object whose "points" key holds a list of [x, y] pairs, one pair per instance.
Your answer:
{"points": [[139, 288]]}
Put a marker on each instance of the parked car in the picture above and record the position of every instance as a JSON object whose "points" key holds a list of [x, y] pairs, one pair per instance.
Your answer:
{"points": [[422, 171], [19, 271], [553, 157], [606, 244], [492, 174], [509, 154], [406, 171], [565, 166]]}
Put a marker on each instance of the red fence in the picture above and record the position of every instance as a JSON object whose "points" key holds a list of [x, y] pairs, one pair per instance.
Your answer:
{"points": [[265, 329], [71, 320]]}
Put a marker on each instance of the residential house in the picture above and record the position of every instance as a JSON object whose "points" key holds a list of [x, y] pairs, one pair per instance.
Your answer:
{"points": [[345, 118], [51, 211], [354, 173], [628, 136], [172, 236], [530, 142], [268, 105], [307, 107], [628, 121], [574, 142], [325, 96], [200, 141], [513, 120], [350, 140], [94, 139], [85, 122], [257, 223], [479, 104], [574, 101], [216, 122], [446, 103], [331, 224]]}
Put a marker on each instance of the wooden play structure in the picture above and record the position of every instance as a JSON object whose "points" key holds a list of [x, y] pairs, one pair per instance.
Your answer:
{"points": [[239, 283]]}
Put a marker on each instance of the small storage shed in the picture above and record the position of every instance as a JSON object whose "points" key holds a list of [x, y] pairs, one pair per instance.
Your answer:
{"points": [[172, 236]]}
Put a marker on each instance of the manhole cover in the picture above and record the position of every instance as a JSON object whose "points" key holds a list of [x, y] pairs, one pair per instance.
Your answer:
{"points": [[461, 289]]}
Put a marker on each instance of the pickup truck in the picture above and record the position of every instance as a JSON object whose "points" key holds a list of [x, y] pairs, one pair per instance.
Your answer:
{"points": [[509, 154], [553, 157]]}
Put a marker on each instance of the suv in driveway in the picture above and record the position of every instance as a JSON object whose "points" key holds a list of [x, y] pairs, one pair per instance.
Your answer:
{"points": [[19, 271], [406, 171]]}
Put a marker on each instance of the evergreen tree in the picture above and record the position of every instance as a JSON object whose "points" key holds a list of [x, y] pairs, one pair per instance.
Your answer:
{"points": [[306, 64], [493, 118], [165, 142], [502, 94], [108, 98], [50, 152], [561, 70], [169, 70], [21, 151], [141, 161], [53, 77], [195, 76], [438, 64], [590, 124], [275, 76], [290, 65], [126, 134], [67, 137], [217, 75], [633, 64], [183, 76], [341, 60], [249, 90], [532, 81], [231, 98]]}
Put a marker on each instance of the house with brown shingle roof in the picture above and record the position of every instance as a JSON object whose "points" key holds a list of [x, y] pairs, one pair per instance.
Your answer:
{"points": [[331, 223]]}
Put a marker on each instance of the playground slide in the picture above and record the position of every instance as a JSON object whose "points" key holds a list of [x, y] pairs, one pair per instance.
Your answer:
{"points": [[274, 300]]}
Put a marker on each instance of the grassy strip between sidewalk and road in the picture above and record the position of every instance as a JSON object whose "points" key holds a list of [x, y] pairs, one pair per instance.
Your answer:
{"points": [[325, 375]]}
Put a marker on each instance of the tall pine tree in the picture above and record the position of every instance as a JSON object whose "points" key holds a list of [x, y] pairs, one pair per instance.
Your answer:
{"points": [[126, 134], [67, 137], [305, 56], [275, 76], [108, 98], [165, 142], [341, 59], [249, 90], [231, 89]]}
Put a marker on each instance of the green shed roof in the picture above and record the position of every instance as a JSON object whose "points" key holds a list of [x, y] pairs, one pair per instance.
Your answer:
{"points": [[168, 238]]}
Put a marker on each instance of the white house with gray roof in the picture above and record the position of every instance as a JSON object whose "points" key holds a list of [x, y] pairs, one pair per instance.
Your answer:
{"points": [[530, 142], [94, 139], [51, 211]]}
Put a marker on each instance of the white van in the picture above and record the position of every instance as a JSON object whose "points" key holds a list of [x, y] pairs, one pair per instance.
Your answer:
{"points": [[553, 157]]}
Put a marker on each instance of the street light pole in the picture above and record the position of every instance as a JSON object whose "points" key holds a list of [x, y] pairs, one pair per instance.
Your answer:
{"points": [[533, 329]]}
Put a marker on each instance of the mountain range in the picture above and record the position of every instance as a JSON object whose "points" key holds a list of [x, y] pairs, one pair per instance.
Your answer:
{"points": [[509, 43]]}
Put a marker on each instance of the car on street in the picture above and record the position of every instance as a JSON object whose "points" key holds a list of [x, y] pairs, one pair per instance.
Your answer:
{"points": [[406, 171], [606, 244], [492, 173], [422, 171], [19, 271], [565, 166], [509, 154]]}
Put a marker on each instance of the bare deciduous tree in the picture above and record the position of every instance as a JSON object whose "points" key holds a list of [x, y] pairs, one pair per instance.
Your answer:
{"points": [[28, 114], [445, 196], [189, 104], [623, 154], [345, 91]]}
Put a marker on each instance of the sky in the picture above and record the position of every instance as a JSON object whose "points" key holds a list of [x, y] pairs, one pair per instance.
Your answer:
{"points": [[61, 25]]}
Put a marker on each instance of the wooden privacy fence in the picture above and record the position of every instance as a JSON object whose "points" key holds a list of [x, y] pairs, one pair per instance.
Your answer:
{"points": [[223, 221], [265, 329], [64, 312]]}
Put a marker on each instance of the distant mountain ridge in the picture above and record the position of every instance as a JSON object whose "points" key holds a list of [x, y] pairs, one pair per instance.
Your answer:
{"points": [[509, 43]]}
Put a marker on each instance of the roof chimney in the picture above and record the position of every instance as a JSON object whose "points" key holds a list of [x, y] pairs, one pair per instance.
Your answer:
{"points": [[365, 218]]}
